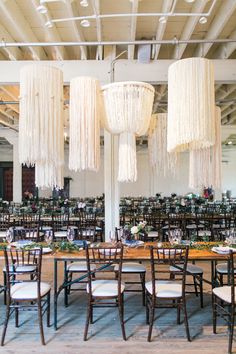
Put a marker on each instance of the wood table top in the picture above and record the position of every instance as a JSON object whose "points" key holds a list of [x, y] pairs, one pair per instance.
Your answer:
{"points": [[140, 253]]}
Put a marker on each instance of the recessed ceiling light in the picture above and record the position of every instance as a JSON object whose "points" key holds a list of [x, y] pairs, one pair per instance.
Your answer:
{"points": [[162, 19], [84, 3], [202, 20], [189, 1], [85, 23], [49, 24], [42, 9]]}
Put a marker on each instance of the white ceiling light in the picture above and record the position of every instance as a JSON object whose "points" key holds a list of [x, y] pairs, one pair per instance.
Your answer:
{"points": [[42, 9], [85, 23], [49, 24], [84, 3], [202, 20], [163, 19], [189, 1]]}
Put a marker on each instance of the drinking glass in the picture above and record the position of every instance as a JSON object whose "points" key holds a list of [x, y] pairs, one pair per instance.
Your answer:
{"points": [[48, 237], [70, 234], [9, 236], [171, 237], [178, 233], [112, 237]]}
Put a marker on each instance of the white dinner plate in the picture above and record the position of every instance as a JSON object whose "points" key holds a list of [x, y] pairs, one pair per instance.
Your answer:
{"points": [[223, 250], [133, 243]]}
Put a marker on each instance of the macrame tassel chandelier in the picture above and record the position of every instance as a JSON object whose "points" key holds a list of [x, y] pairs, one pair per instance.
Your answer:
{"points": [[128, 109], [160, 159], [85, 107], [205, 164], [191, 105], [41, 123]]}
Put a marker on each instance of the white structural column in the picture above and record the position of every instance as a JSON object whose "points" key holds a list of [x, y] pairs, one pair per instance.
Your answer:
{"points": [[17, 174], [111, 186], [12, 137]]}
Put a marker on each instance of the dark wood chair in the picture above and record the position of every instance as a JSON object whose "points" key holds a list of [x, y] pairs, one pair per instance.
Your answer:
{"points": [[162, 291], [103, 291], [133, 268], [223, 302], [22, 294]]}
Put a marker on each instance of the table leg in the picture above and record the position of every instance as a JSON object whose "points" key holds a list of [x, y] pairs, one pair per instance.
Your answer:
{"points": [[55, 294]]}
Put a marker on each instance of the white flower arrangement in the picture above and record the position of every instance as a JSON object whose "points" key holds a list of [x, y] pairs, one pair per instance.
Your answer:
{"points": [[137, 228]]}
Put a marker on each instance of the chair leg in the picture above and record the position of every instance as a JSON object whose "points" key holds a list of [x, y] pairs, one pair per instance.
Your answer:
{"points": [[16, 317], [142, 279], [195, 285], [231, 330], [151, 319], [5, 324], [5, 285], [40, 318], [178, 312], [214, 313], [186, 320], [48, 309], [201, 290], [147, 310], [121, 314], [87, 319]]}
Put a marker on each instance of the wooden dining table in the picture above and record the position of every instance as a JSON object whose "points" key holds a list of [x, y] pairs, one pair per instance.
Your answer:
{"points": [[130, 254]]}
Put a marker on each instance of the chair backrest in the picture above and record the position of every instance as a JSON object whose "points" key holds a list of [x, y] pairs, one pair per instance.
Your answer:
{"points": [[4, 221], [231, 275], [31, 220], [60, 221], [163, 259], [20, 261], [104, 258], [86, 233]]}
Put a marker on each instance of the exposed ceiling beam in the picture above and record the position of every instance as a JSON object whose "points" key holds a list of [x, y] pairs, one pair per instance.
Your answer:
{"points": [[11, 13], [96, 10], [71, 12], [162, 26], [5, 113], [58, 53], [159, 94], [12, 91], [198, 7], [133, 25], [225, 50], [11, 53], [228, 112], [223, 15]]}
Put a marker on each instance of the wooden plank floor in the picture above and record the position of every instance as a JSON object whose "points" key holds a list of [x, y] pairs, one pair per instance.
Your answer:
{"points": [[105, 334]]}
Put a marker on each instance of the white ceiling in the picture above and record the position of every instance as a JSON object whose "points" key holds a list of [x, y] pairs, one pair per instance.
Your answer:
{"points": [[20, 21]]}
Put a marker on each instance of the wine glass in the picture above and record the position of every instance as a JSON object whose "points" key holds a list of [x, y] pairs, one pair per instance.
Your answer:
{"points": [[48, 237], [171, 237], [70, 234], [112, 237], [9, 236]]}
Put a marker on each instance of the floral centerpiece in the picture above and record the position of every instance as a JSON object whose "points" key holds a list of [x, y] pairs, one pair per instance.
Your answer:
{"points": [[134, 232]]}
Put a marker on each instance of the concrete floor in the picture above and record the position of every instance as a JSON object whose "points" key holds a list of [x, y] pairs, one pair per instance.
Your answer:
{"points": [[105, 334]]}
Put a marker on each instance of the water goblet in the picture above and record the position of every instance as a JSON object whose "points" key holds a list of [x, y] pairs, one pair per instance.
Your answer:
{"points": [[112, 237], [70, 234], [171, 236], [48, 237], [9, 236]]}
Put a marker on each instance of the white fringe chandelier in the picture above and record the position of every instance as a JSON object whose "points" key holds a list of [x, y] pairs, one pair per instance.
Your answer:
{"points": [[128, 109], [160, 159], [205, 164], [191, 105], [85, 108], [41, 140]]}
